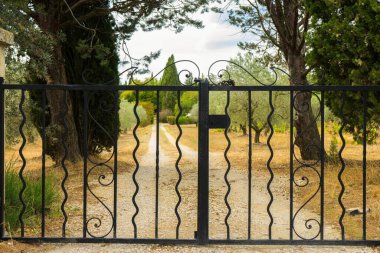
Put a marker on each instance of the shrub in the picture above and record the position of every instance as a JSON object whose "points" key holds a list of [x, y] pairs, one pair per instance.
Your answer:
{"points": [[164, 114], [149, 109], [32, 197], [185, 120], [13, 118], [171, 120], [127, 116]]}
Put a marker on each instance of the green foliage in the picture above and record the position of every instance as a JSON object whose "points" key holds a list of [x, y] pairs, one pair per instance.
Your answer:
{"points": [[345, 45], [164, 114], [13, 118], [185, 120], [194, 112], [171, 120], [146, 96], [149, 109], [32, 197], [169, 78], [239, 105], [127, 117], [188, 99]]}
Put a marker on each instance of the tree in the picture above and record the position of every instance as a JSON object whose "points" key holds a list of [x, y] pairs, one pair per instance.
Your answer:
{"points": [[282, 25], [239, 105], [170, 77], [41, 26], [345, 45]]}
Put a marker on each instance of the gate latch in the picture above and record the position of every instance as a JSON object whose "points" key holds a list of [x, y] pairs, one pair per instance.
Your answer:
{"points": [[218, 121]]}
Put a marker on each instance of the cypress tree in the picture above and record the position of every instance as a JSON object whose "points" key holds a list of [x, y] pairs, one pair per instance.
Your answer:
{"points": [[169, 78]]}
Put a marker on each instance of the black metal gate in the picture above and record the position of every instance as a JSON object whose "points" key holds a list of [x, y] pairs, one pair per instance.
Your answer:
{"points": [[205, 123]]}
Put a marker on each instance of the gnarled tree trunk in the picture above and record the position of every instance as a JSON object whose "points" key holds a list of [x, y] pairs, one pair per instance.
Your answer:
{"points": [[307, 135], [62, 135]]}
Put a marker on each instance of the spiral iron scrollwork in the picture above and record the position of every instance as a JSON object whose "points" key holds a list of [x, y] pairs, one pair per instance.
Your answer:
{"points": [[104, 179], [224, 75], [304, 180], [131, 72]]}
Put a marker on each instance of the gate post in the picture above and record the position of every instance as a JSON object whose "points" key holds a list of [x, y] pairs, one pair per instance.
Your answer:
{"points": [[203, 163], [2, 165], [6, 39]]}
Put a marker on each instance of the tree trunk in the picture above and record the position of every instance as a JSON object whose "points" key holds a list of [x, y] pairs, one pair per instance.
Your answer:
{"points": [[257, 136], [62, 135], [307, 136], [61, 114], [244, 129]]}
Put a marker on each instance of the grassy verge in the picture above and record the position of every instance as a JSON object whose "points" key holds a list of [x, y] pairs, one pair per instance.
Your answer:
{"points": [[32, 197]]}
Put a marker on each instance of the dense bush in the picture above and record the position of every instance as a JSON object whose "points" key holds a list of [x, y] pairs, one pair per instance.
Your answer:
{"points": [[127, 116], [32, 197], [183, 120], [149, 109], [171, 119], [164, 114], [13, 118]]}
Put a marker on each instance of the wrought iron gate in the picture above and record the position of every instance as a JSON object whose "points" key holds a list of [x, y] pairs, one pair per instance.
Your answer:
{"points": [[205, 123]]}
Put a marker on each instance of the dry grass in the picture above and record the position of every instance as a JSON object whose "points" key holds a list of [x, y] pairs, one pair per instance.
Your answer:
{"points": [[352, 176], [74, 183]]}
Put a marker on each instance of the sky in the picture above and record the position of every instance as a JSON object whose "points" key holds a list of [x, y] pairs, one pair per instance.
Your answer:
{"points": [[216, 41]]}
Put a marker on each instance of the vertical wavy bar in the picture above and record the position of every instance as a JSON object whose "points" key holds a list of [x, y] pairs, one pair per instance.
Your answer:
{"points": [[177, 164], [23, 163], [268, 164], [64, 144], [343, 165], [137, 164], [249, 163], [228, 168]]}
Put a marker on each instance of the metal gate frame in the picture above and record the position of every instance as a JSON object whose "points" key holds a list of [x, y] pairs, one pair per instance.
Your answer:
{"points": [[206, 122]]}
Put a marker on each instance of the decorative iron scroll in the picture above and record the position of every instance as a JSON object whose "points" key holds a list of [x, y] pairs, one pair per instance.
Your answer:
{"points": [[133, 70], [306, 165], [95, 221], [225, 76]]}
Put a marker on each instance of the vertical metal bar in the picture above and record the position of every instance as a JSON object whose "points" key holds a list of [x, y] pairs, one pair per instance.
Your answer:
{"points": [[203, 163], [343, 165], [322, 154], [269, 163], [137, 165], [21, 172], [157, 160], [63, 164], [177, 164], [2, 162], [115, 147], [228, 168], [85, 159], [249, 163], [365, 97], [291, 165], [43, 136]]}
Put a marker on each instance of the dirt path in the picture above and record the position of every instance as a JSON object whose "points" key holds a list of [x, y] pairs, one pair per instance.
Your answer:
{"points": [[167, 220]]}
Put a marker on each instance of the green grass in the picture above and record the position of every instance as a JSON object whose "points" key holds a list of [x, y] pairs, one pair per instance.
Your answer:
{"points": [[32, 197]]}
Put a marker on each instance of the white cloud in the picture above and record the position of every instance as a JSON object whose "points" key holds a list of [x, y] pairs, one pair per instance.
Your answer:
{"points": [[218, 40]]}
